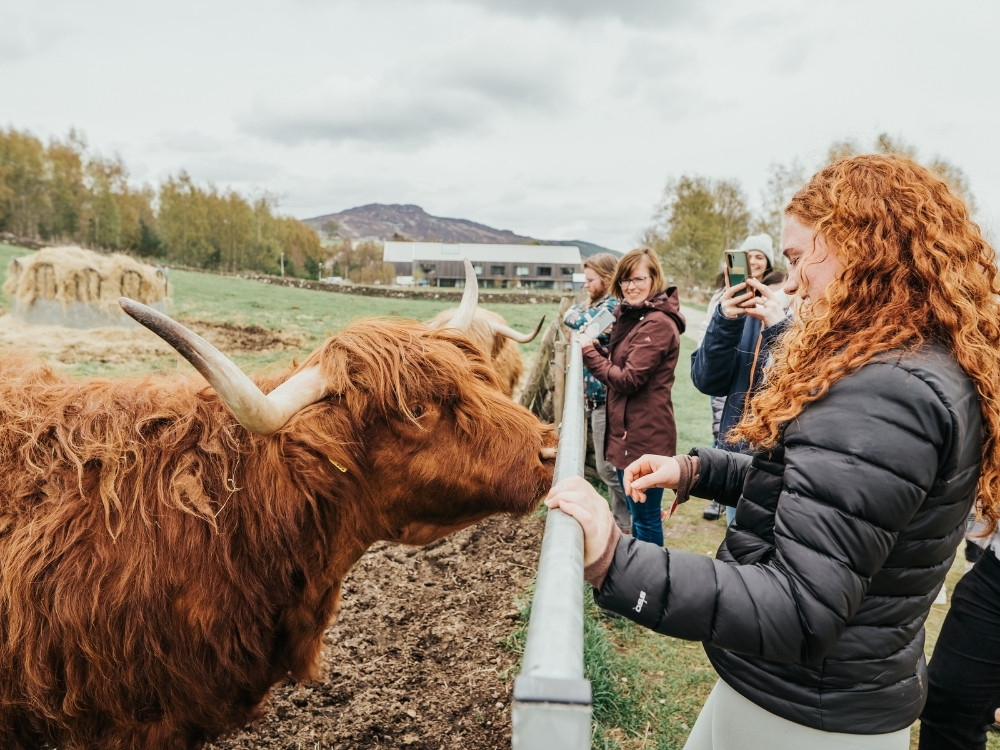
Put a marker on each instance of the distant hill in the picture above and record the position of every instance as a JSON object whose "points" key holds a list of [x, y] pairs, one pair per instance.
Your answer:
{"points": [[409, 222]]}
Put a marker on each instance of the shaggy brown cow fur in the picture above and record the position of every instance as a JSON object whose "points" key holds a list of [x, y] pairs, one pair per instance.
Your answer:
{"points": [[502, 351], [161, 567], [487, 330]]}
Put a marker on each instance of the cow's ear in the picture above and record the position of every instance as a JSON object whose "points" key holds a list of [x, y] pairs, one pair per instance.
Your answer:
{"points": [[337, 371], [347, 376]]}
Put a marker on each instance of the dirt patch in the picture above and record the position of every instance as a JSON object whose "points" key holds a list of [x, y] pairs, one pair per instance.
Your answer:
{"points": [[234, 339], [417, 658], [114, 345]]}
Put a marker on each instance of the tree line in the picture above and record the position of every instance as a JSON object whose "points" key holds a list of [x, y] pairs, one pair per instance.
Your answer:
{"points": [[60, 193], [698, 218]]}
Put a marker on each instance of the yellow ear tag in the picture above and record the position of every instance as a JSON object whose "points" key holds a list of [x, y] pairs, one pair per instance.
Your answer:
{"points": [[342, 468]]}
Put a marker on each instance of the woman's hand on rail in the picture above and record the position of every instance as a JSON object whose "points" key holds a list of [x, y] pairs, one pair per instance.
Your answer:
{"points": [[583, 339], [577, 498], [650, 471]]}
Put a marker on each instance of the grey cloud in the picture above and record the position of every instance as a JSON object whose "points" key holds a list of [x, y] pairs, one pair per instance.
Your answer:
{"points": [[26, 33], [190, 141], [207, 159], [232, 169], [628, 12], [16, 43], [524, 84], [407, 108], [403, 120], [658, 78]]}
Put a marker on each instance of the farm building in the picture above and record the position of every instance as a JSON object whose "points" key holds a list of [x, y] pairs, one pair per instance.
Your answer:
{"points": [[497, 266]]}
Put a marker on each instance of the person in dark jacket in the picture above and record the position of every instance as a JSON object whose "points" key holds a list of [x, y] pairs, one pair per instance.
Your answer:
{"points": [[638, 369], [876, 429], [733, 349], [730, 358], [963, 679]]}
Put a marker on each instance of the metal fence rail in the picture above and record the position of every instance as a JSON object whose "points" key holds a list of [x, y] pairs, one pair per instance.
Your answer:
{"points": [[552, 699]]}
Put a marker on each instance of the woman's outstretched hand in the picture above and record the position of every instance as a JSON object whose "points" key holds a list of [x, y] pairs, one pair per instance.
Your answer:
{"points": [[577, 498], [650, 471]]}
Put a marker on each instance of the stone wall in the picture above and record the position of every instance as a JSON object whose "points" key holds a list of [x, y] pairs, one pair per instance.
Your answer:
{"points": [[486, 296]]}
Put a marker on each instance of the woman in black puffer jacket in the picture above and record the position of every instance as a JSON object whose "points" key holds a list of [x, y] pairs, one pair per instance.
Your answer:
{"points": [[876, 431]]}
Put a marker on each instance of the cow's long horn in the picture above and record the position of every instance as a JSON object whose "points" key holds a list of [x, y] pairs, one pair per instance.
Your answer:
{"points": [[255, 411], [462, 319], [510, 333]]}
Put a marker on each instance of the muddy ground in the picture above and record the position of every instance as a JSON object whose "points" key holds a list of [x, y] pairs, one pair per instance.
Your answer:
{"points": [[420, 655], [121, 345]]}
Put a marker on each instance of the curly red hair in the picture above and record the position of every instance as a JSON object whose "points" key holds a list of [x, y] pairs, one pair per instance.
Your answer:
{"points": [[916, 268]]}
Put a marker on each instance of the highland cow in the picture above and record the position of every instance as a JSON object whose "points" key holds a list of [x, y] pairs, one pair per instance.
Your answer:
{"points": [[169, 551], [489, 331]]}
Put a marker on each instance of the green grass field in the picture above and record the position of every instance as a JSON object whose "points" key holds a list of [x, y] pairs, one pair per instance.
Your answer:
{"points": [[648, 688], [313, 314]]}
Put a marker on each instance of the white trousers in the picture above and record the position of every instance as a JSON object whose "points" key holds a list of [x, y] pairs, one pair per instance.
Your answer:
{"points": [[728, 721]]}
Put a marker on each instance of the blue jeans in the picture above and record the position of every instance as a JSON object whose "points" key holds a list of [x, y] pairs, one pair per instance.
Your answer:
{"points": [[646, 523], [964, 673]]}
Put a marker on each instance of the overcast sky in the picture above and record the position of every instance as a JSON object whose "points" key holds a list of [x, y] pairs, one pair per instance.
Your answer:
{"points": [[558, 119]]}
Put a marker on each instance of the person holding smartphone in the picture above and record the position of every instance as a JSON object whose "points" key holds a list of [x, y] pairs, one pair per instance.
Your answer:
{"points": [[598, 271], [637, 366], [730, 358], [876, 432]]}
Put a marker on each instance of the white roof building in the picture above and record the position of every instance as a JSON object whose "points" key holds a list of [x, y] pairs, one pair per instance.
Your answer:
{"points": [[409, 252], [503, 266]]}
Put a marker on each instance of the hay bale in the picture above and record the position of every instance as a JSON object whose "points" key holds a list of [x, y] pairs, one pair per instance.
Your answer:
{"points": [[78, 288]]}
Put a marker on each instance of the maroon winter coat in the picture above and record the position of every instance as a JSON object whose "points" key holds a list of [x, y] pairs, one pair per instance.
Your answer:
{"points": [[639, 374]]}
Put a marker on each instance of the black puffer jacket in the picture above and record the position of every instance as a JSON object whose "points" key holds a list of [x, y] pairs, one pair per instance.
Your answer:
{"points": [[815, 604]]}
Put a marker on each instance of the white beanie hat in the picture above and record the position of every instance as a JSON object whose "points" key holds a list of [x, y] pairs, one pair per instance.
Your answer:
{"points": [[761, 242]]}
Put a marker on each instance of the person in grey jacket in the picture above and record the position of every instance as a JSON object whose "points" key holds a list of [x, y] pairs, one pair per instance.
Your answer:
{"points": [[875, 431]]}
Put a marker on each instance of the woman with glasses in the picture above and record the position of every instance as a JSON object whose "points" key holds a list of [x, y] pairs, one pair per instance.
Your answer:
{"points": [[876, 430], [637, 366]]}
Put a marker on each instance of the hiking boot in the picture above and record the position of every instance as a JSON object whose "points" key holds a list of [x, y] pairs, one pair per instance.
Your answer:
{"points": [[712, 511]]}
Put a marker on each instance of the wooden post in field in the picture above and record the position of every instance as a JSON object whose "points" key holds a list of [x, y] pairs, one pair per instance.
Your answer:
{"points": [[559, 381]]}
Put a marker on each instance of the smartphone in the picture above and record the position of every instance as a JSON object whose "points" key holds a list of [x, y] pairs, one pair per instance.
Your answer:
{"points": [[737, 266], [601, 321], [738, 269]]}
